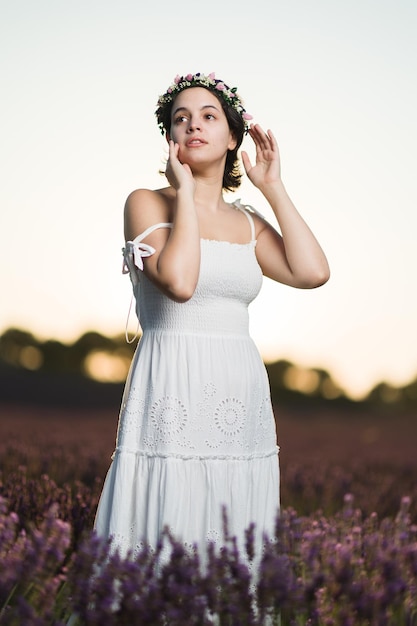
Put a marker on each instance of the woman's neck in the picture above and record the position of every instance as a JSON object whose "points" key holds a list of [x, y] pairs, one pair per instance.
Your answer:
{"points": [[209, 194]]}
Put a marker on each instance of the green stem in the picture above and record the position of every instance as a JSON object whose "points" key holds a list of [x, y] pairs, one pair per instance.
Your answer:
{"points": [[9, 597]]}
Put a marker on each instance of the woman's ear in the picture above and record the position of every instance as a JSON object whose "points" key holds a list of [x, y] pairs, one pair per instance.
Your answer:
{"points": [[232, 142], [167, 137]]}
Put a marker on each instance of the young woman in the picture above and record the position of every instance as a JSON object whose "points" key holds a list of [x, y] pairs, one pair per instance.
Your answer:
{"points": [[196, 431]]}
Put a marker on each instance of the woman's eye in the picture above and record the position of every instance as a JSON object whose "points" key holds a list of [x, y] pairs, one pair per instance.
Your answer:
{"points": [[210, 116], [180, 118]]}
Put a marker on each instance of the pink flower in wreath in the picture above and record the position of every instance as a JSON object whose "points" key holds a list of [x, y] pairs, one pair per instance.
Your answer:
{"points": [[247, 116], [212, 76], [177, 79], [220, 86], [189, 77]]}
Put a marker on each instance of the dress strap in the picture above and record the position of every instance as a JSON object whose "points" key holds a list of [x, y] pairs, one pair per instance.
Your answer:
{"points": [[150, 230], [252, 225], [247, 209], [135, 251], [133, 254]]}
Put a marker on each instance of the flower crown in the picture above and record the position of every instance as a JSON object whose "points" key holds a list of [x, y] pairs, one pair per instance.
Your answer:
{"points": [[210, 82]]}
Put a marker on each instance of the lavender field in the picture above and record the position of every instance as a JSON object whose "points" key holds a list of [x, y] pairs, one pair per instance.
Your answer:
{"points": [[346, 549]]}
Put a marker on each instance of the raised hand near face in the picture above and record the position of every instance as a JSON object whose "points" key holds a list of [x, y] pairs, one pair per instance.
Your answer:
{"points": [[267, 169], [179, 175]]}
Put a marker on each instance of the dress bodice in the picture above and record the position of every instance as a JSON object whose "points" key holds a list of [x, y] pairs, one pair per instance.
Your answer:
{"points": [[230, 278]]}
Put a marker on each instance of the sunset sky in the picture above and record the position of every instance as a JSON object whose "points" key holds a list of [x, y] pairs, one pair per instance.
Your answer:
{"points": [[336, 82]]}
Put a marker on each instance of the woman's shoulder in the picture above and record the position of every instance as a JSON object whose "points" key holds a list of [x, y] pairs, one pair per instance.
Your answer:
{"points": [[141, 199], [146, 207]]}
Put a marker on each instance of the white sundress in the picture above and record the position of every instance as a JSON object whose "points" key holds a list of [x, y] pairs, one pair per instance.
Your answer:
{"points": [[196, 428]]}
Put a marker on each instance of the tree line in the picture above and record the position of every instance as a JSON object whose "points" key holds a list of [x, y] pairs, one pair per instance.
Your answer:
{"points": [[93, 369]]}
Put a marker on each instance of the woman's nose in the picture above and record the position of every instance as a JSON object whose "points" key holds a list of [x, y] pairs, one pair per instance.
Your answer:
{"points": [[193, 125]]}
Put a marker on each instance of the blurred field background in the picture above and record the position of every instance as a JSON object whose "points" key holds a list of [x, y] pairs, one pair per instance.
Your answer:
{"points": [[347, 529], [59, 407]]}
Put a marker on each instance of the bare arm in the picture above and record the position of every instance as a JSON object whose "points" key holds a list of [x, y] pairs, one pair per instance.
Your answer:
{"points": [[175, 265], [295, 258]]}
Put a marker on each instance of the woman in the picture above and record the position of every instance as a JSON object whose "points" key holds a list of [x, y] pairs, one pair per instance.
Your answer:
{"points": [[196, 429]]}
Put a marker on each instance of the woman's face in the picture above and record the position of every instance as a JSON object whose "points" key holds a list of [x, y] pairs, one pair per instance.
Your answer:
{"points": [[200, 127]]}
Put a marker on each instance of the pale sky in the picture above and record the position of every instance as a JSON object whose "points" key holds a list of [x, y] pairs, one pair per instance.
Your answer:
{"points": [[336, 82]]}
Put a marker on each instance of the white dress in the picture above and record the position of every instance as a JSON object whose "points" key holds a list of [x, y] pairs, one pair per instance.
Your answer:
{"points": [[196, 429]]}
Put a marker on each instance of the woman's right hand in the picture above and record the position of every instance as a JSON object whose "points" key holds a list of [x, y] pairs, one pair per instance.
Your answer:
{"points": [[179, 175]]}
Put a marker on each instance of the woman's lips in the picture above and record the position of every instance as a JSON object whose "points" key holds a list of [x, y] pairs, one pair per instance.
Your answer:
{"points": [[195, 142]]}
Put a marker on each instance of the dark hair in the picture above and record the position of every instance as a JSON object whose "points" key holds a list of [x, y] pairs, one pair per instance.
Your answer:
{"points": [[232, 175]]}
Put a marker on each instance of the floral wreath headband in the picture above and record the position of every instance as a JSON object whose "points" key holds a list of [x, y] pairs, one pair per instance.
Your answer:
{"points": [[210, 82]]}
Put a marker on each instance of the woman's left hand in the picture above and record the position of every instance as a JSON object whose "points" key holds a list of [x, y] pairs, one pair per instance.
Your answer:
{"points": [[267, 169]]}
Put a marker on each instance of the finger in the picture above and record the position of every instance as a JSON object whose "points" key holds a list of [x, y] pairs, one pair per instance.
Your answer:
{"points": [[255, 131], [187, 168], [260, 138], [272, 138], [264, 138], [254, 134], [246, 161], [173, 150]]}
